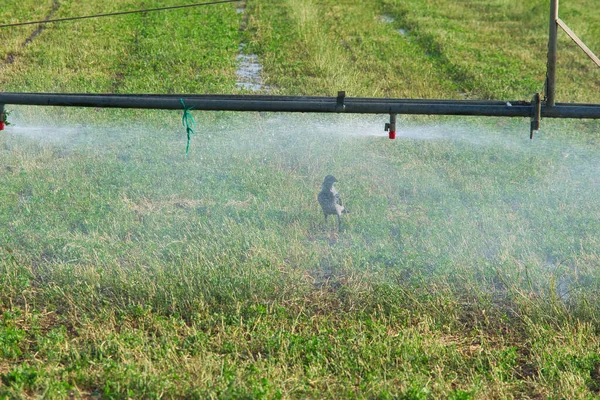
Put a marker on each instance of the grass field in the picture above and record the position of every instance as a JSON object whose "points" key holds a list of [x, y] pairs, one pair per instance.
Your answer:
{"points": [[466, 269]]}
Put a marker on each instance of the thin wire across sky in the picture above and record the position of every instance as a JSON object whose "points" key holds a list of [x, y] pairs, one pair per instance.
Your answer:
{"points": [[47, 21]]}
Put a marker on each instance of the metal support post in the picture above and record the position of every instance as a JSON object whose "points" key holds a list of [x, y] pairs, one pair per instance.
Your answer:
{"points": [[552, 50], [536, 114]]}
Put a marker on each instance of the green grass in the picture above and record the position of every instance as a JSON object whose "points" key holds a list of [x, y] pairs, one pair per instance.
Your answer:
{"points": [[475, 49], [466, 269], [168, 52]]}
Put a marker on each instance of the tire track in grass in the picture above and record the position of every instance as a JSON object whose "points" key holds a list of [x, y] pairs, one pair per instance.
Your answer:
{"points": [[463, 79], [11, 57], [319, 47], [187, 52], [489, 51], [320, 62], [120, 72], [392, 59], [434, 51]]}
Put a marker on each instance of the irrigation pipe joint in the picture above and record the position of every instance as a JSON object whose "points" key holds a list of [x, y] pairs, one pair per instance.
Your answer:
{"points": [[340, 106]]}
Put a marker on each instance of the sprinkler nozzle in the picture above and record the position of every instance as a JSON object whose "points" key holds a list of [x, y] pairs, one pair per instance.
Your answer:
{"points": [[391, 126], [1, 125]]}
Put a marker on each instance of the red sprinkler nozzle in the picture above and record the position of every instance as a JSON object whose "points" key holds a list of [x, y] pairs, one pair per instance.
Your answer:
{"points": [[391, 126], [1, 125]]}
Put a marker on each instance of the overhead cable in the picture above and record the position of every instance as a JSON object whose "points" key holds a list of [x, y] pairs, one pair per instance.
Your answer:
{"points": [[116, 13]]}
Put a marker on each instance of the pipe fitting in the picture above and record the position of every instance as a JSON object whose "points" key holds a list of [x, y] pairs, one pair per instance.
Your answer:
{"points": [[391, 126], [536, 114], [340, 106], [2, 117]]}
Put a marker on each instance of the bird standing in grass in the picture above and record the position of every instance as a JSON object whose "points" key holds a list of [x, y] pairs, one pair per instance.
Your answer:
{"points": [[330, 200]]}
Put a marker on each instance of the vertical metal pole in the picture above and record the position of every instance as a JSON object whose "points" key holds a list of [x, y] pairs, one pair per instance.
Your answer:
{"points": [[536, 116], [552, 50]]}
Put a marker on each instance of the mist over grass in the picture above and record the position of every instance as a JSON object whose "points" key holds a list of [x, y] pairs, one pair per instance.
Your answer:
{"points": [[451, 200], [466, 269], [458, 227]]}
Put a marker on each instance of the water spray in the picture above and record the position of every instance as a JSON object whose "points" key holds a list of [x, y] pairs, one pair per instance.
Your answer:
{"points": [[536, 109]]}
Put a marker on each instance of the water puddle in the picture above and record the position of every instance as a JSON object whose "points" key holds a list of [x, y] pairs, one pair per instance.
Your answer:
{"points": [[249, 72], [249, 67], [388, 19]]}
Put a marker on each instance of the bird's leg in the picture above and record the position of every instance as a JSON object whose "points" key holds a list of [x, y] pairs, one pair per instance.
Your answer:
{"points": [[339, 223]]}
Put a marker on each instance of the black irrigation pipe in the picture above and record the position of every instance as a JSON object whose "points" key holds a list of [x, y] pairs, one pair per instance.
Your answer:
{"points": [[47, 21], [340, 104]]}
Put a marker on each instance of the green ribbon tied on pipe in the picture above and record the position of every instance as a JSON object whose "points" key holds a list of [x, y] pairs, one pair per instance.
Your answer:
{"points": [[189, 123]]}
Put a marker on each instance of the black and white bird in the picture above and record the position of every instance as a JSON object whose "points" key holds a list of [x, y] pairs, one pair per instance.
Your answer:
{"points": [[330, 200]]}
